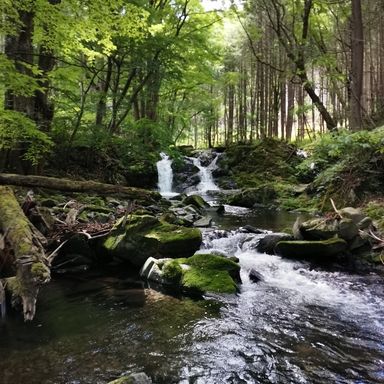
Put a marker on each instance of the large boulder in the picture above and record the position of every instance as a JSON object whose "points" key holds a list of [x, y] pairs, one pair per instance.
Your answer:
{"points": [[318, 229], [198, 274], [263, 195], [268, 243], [323, 250], [138, 237], [348, 227]]}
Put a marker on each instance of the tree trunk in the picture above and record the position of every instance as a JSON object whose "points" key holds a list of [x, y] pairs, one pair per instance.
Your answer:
{"points": [[66, 185], [27, 252], [357, 67]]}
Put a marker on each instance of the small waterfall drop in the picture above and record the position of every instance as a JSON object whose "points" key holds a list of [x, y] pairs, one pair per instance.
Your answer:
{"points": [[205, 173], [165, 175]]}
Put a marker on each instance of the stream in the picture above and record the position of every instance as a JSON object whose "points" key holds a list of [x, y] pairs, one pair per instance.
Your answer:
{"points": [[298, 325]]}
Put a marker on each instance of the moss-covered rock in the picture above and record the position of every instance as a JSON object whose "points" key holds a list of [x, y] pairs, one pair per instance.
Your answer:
{"points": [[268, 243], [195, 275], [318, 229], [306, 249], [262, 195], [203, 273], [136, 238], [196, 201], [210, 273]]}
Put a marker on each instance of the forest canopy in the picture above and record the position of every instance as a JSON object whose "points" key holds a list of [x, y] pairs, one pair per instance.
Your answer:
{"points": [[149, 74]]}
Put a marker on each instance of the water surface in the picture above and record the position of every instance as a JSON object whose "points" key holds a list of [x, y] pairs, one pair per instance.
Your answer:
{"points": [[298, 325]]}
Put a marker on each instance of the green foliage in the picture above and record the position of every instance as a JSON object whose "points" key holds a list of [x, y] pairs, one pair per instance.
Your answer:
{"points": [[18, 131], [347, 165], [375, 210], [20, 83]]}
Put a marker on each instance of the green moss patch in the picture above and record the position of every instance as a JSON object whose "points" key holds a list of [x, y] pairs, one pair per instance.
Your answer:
{"points": [[136, 238], [307, 249], [204, 273]]}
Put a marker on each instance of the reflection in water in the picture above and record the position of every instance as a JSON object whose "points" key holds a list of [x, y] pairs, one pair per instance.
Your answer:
{"points": [[297, 325]]}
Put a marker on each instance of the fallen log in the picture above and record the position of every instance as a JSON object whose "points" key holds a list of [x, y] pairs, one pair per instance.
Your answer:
{"points": [[27, 252], [66, 185]]}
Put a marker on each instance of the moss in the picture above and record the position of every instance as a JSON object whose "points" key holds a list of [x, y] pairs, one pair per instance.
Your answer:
{"points": [[138, 237], [264, 194], [40, 271], [14, 286], [207, 273], [375, 210], [316, 249], [173, 272], [196, 201]]}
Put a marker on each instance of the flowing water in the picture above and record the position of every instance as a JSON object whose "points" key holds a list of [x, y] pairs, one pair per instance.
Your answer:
{"points": [[165, 175], [205, 173], [297, 325]]}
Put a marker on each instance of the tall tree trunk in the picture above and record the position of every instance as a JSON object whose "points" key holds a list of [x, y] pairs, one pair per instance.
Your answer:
{"points": [[357, 66]]}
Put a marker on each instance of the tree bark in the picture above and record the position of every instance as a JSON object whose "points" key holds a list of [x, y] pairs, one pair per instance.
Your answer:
{"points": [[27, 252], [357, 67], [66, 185]]}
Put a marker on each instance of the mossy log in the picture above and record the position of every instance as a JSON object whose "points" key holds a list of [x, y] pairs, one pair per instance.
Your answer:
{"points": [[67, 185], [26, 251]]}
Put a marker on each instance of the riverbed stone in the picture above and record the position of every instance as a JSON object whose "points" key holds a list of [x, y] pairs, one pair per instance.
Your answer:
{"points": [[268, 243], [196, 201], [136, 238], [307, 249], [347, 229], [255, 276], [134, 378], [203, 222]]}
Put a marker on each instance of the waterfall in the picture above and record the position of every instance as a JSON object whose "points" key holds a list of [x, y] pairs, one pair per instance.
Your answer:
{"points": [[205, 174], [165, 174]]}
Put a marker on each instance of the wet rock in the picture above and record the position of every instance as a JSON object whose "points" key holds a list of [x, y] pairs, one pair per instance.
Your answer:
{"points": [[251, 229], [139, 237], [204, 222], [199, 274], [318, 229], [352, 213], [134, 378], [268, 243], [347, 229], [255, 276], [261, 196], [196, 201], [322, 250]]}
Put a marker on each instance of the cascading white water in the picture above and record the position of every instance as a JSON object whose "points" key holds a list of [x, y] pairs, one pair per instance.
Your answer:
{"points": [[293, 313], [165, 174], [205, 174], [302, 285]]}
